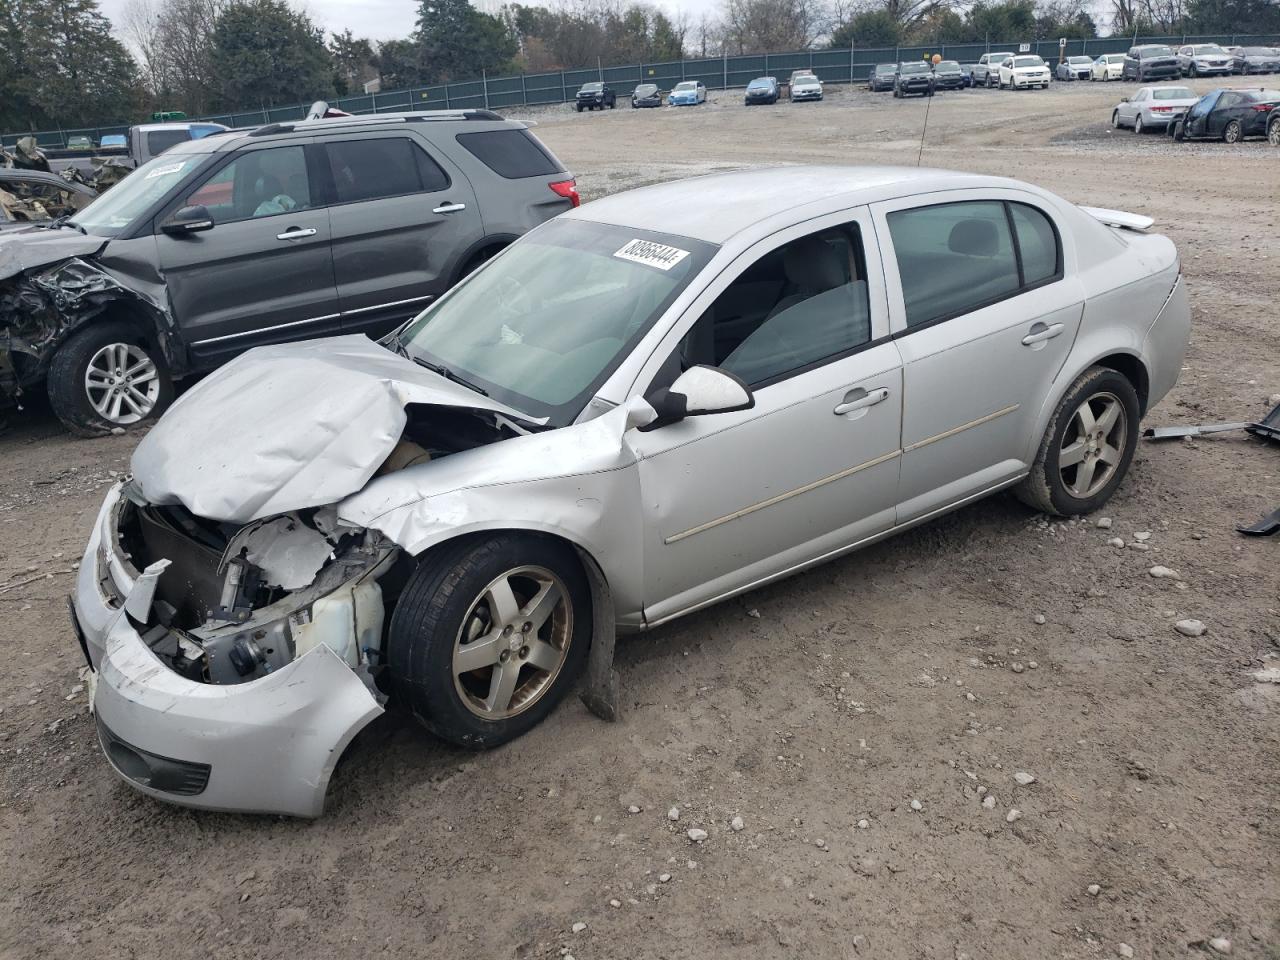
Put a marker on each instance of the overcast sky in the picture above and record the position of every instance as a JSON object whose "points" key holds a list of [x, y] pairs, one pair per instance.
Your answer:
{"points": [[392, 19]]}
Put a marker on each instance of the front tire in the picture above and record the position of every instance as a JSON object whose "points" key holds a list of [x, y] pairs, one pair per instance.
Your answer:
{"points": [[107, 377], [1088, 446], [489, 635], [1232, 132]]}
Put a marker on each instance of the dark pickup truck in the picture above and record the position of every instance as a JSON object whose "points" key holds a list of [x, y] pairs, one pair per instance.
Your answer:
{"points": [[596, 96]]}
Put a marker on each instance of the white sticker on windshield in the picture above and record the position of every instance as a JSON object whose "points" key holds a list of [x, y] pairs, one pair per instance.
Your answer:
{"points": [[652, 254], [167, 169]]}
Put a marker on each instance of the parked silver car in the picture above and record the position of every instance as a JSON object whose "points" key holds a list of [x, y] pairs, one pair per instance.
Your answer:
{"points": [[645, 406], [1153, 108], [1203, 60]]}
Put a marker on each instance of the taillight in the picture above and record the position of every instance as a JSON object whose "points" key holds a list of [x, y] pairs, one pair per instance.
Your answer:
{"points": [[567, 189], [1264, 107], [1162, 109]]}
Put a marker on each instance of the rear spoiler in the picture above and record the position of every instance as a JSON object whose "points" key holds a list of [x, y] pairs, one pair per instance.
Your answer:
{"points": [[1118, 218]]}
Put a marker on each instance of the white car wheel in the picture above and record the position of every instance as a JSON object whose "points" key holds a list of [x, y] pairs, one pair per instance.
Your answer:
{"points": [[1137, 124]]}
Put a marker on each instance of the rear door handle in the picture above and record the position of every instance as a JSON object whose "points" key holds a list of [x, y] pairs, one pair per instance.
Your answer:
{"points": [[296, 233], [449, 208], [1040, 332], [860, 399]]}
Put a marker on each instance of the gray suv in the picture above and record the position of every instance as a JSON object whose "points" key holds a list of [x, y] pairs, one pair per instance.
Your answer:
{"points": [[249, 237]]}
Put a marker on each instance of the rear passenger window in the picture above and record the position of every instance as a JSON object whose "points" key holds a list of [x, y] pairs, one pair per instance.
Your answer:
{"points": [[1037, 243], [377, 168], [954, 258], [512, 154]]}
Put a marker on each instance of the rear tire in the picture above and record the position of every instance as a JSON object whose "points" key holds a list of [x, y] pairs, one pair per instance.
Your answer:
{"points": [[1137, 124], [452, 615], [1080, 431], [1232, 132], [1273, 131], [91, 388]]}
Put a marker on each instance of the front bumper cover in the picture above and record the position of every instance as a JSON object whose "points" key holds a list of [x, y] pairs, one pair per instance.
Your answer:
{"points": [[270, 744]]}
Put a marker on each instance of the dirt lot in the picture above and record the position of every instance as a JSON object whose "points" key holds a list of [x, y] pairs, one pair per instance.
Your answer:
{"points": [[816, 710]]}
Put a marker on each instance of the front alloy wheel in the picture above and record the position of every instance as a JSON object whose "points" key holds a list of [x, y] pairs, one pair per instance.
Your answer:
{"points": [[122, 383], [107, 377], [1232, 132]]}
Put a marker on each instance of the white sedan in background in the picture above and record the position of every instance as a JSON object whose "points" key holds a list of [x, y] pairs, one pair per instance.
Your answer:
{"points": [[1109, 66], [643, 407], [1024, 71], [1153, 108]]}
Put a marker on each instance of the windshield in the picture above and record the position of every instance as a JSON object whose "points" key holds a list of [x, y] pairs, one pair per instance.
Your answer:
{"points": [[1262, 96], [947, 66], [685, 87], [885, 68], [1028, 62], [1172, 93], [807, 81], [1156, 52], [1210, 49], [646, 90], [115, 210], [914, 68], [1256, 51], [543, 325], [1079, 61], [759, 84], [592, 87]]}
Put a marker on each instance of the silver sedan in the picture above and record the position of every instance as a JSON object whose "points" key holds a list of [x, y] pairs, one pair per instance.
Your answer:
{"points": [[1152, 108], [650, 404]]}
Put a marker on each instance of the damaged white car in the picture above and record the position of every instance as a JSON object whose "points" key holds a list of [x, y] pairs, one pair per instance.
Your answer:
{"points": [[646, 405]]}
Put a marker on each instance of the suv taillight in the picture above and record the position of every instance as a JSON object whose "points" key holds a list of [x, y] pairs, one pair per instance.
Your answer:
{"points": [[567, 189]]}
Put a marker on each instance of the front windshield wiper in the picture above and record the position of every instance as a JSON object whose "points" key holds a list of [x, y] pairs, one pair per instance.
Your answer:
{"points": [[448, 374], [64, 221]]}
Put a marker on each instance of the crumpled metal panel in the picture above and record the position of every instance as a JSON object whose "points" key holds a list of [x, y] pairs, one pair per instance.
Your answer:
{"points": [[18, 252], [288, 427]]}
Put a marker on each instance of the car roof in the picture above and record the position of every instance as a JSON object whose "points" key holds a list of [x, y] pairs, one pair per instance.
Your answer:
{"points": [[712, 208], [18, 175], [220, 141]]}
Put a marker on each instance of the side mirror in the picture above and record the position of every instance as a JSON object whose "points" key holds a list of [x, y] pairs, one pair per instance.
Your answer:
{"points": [[188, 220], [700, 391]]}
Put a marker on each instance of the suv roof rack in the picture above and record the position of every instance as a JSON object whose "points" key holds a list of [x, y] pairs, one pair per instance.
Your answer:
{"points": [[419, 116]]}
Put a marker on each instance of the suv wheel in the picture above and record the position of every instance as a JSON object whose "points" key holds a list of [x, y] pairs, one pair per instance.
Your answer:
{"points": [[1195, 71], [107, 377], [489, 635], [1088, 447]]}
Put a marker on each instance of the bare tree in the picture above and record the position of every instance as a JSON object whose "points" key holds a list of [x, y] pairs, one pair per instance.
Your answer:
{"points": [[186, 40], [759, 26], [139, 25]]}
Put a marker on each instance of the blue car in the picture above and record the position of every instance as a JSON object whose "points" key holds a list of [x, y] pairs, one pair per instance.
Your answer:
{"points": [[687, 93]]}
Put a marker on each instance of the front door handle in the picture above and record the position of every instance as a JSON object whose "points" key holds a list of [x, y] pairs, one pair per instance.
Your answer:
{"points": [[860, 399], [296, 233], [449, 208], [1040, 332]]}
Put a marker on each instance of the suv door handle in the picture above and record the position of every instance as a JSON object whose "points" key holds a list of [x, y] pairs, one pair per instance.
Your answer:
{"points": [[1041, 332], [449, 208], [296, 233], [860, 399]]}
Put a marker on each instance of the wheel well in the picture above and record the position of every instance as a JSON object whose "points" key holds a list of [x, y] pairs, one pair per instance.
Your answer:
{"points": [[1132, 369]]}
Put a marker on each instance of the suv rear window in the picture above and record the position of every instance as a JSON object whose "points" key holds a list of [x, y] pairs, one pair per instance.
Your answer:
{"points": [[512, 154]]}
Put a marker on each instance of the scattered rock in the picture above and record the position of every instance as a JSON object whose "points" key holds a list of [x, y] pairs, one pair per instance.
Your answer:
{"points": [[633, 809], [737, 825], [664, 878], [1125, 951], [820, 844], [1116, 542], [1039, 618], [243, 878], [989, 801], [1190, 628], [864, 824], [1093, 890], [1013, 815], [1220, 945], [615, 903], [579, 927], [1142, 536], [1103, 523], [753, 613], [1024, 778], [1139, 546], [1032, 665], [917, 806], [673, 814], [1016, 667], [1267, 675], [697, 835], [117, 431], [1163, 573]]}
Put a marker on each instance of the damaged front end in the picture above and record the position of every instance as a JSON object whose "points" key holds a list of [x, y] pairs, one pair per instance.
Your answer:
{"points": [[234, 662], [43, 306]]}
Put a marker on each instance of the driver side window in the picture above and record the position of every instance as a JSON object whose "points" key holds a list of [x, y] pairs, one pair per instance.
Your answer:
{"points": [[801, 304], [260, 183]]}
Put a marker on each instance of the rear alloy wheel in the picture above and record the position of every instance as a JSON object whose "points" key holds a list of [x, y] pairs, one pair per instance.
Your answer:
{"points": [[1232, 132], [1137, 124], [489, 635], [107, 377], [1273, 131], [1088, 446]]}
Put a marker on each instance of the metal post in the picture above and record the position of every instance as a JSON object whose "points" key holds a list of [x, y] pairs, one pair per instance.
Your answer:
{"points": [[484, 79], [599, 71], [524, 94], [766, 66], [447, 105], [725, 82], [564, 91], [851, 60]]}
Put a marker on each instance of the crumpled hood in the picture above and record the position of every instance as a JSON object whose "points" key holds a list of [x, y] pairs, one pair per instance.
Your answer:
{"points": [[288, 427], [23, 250]]}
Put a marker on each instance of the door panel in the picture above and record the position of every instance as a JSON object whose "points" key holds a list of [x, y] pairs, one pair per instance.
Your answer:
{"points": [[401, 220], [734, 498], [264, 273]]}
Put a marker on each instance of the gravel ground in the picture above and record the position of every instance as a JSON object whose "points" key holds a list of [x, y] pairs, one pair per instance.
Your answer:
{"points": [[851, 741]]}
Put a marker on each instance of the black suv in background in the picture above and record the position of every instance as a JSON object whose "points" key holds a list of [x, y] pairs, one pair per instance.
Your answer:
{"points": [[1151, 62], [257, 236], [914, 76], [882, 77], [947, 75], [596, 96]]}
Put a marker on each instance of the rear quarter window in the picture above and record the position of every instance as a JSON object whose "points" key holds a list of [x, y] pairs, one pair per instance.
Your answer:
{"points": [[511, 154]]}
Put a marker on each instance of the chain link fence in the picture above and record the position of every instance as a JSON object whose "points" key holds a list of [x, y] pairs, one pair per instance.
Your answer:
{"points": [[850, 65]]}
